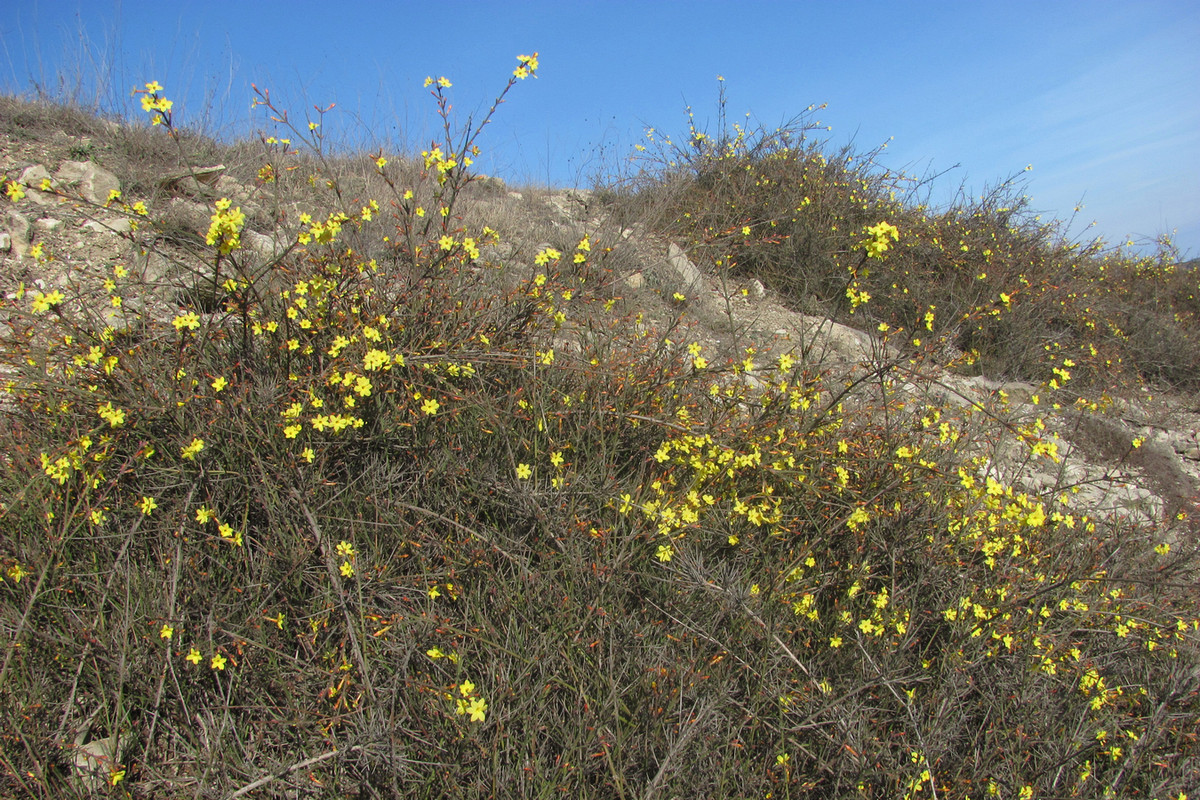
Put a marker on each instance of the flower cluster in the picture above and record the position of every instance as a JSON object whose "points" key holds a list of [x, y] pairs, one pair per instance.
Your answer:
{"points": [[469, 703], [155, 104], [880, 233], [225, 230], [527, 65]]}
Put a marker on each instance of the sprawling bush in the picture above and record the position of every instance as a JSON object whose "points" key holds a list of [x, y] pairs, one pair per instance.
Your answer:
{"points": [[383, 515], [985, 276]]}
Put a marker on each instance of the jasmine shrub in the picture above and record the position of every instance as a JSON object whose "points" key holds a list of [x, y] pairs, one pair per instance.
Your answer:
{"points": [[386, 514]]}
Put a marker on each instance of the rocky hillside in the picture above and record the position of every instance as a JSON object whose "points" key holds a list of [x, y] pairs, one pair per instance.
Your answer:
{"points": [[364, 475], [1135, 455]]}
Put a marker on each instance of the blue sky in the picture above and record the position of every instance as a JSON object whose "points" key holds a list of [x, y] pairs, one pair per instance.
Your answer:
{"points": [[1102, 98]]}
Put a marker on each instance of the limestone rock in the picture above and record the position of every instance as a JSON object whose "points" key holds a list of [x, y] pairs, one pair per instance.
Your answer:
{"points": [[92, 183], [20, 232], [189, 182], [114, 225], [678, 275], [32, 178], [265, 247]]}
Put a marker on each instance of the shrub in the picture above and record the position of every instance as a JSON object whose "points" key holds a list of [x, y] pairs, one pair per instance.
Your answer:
{"points": [[380, 515], [985, 277]]}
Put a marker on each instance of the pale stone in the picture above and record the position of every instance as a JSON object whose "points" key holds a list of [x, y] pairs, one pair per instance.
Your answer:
{"points": [[32, 178], [92, 183]]}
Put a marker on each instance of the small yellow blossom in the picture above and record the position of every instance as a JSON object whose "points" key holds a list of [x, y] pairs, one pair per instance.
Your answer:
{"points": [[477, 709]]}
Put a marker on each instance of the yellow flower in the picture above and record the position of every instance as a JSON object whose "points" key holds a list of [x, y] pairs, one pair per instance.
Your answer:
{"points": [[219, 384], [114, 416], [665, 552], [546, 256], [166, 632], [44, 302], [226, 226], [346, 569], [191, 321], [524, 472], [204, 514], [477, 708], [527, 65], [189, 453], [193, 656], [218, 661], [430, 406], [375, 359]]}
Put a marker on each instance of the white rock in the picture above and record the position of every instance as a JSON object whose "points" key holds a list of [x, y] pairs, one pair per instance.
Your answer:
{"points": [[95, 184], [33, 177], [117, 225], [683, 276], [21, 232]]}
